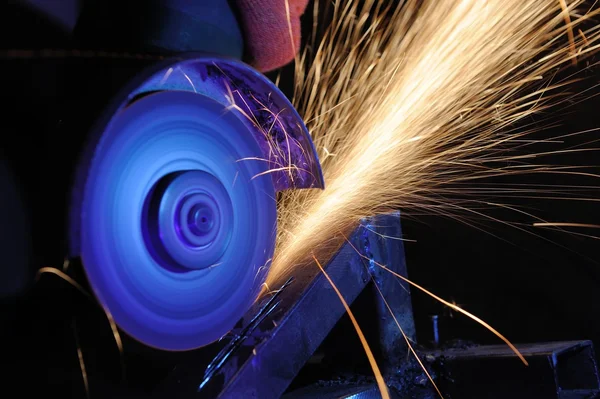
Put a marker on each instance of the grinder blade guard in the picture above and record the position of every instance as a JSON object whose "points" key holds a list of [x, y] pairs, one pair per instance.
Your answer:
{"points": [[173, 209]]}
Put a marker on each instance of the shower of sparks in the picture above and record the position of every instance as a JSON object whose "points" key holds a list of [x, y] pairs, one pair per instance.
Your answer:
{"points": [[416, 100], [279, 158], [410, 101]]}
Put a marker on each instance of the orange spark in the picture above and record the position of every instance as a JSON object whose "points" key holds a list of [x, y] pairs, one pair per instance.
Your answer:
{"points": [[378, 376]]}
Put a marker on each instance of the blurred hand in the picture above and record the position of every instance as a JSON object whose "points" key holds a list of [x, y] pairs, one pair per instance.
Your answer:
{"points": [[266, 30]]}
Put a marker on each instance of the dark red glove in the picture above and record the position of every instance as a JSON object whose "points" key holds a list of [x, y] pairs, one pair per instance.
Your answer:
{"points": [[267, 31]]}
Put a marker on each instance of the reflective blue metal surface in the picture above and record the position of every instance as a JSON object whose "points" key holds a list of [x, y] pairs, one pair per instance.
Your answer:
{"points": [[174, 207], [175, 232], [285, 142]]}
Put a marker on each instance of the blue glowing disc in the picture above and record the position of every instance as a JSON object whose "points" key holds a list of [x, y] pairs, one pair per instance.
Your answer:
{"points": [[175, 230]]}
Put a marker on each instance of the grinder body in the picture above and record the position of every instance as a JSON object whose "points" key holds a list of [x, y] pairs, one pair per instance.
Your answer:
{"points": [[163, 167]]}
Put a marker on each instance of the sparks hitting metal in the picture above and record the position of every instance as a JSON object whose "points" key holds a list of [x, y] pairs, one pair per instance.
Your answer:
{"points": [[421, 99], [409, 102], [174, 212]]}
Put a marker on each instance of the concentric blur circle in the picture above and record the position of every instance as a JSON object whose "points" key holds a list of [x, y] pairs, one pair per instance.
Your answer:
{"points": [[188, 220], [175, 226]]}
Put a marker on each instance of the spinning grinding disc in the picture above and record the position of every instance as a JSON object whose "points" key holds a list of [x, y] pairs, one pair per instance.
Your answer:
{"points": [[174, 210]]}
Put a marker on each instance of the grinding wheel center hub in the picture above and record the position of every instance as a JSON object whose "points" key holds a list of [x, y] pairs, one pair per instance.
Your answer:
{"points": [[188, 221], [200, 220], [197, 220]]}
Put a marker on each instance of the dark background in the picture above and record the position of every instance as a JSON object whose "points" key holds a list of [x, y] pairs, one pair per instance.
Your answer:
{"points": [[530, 288]]}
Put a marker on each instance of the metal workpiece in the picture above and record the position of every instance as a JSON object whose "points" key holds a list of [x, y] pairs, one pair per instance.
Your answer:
{"points": [[296, 318], [382, 243], [556, 370], [370, 391]]}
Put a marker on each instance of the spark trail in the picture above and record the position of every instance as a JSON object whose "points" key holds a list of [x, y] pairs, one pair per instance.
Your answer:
{"points": [[408, 101]]}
